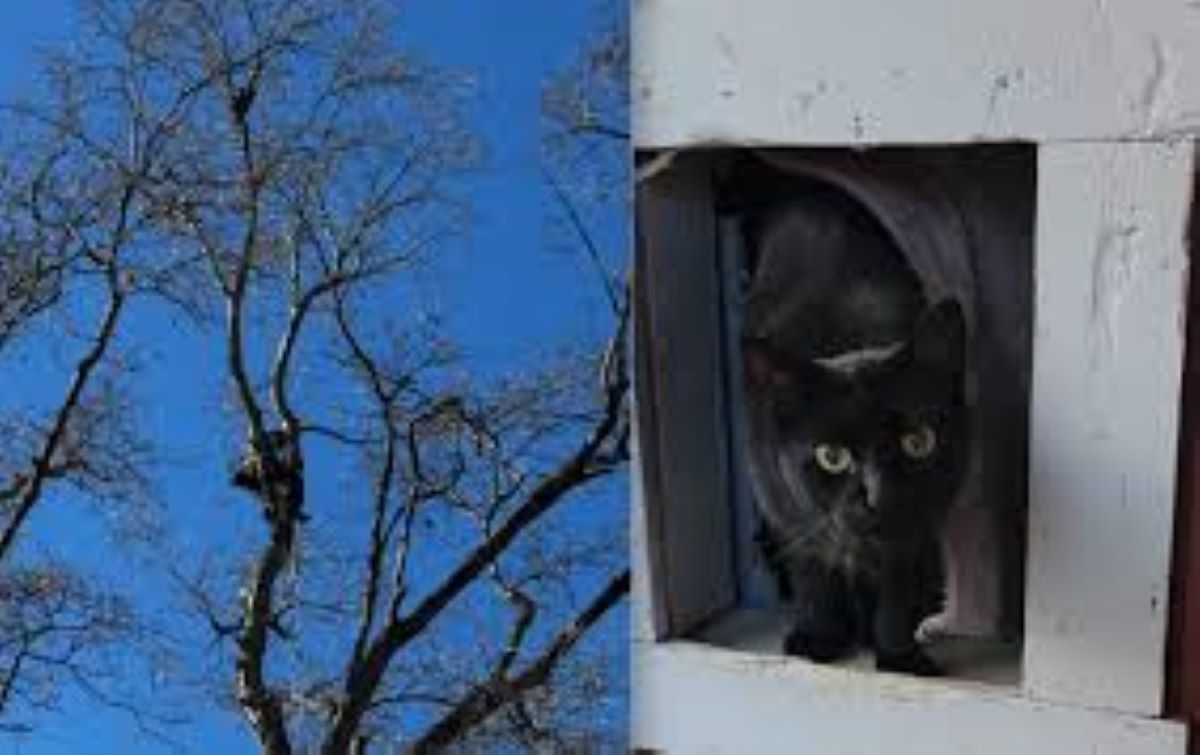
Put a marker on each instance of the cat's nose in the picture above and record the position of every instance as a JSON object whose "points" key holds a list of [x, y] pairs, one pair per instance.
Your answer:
{"points": [[872, 487]]}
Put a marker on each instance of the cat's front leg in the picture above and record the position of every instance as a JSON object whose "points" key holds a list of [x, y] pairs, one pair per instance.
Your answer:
{"points": [[897, 615], [823, 630]]}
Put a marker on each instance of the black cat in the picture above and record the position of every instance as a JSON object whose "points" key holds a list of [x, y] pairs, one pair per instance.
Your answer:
{"points": [[856, 425]]}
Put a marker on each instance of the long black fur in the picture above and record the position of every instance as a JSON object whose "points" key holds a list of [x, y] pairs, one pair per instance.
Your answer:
{"points": [[841, 348]]}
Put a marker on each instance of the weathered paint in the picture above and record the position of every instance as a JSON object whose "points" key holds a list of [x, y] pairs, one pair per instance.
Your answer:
{"points": [[695, 699], [1111, 269], [792, 72]]}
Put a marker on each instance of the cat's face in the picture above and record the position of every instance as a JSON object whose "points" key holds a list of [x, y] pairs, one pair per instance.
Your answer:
{"points": [[875, 442]]}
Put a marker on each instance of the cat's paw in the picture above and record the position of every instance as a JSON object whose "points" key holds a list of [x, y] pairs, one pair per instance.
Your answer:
{"points": [[822, 648], [913, 661]]}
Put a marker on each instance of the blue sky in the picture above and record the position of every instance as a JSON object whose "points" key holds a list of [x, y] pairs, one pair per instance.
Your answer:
{"points": [[511, 289]]}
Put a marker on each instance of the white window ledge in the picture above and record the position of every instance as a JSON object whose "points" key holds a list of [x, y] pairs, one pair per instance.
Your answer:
{"points": [[696, 699]]}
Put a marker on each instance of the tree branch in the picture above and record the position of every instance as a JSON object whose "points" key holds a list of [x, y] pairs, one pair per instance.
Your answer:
{"points": [[42, 463], [500, 691], [363, 679]]}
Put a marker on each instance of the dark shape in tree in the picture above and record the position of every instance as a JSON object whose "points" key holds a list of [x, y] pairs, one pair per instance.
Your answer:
{"points": [[273, 470]]}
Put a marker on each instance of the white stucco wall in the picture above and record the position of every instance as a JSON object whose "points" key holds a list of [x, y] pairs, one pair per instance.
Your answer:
{"points": [[1110, 92], [868, 71]]}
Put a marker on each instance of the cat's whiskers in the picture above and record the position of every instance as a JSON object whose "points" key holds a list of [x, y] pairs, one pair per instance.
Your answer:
{"points": [[828, 524], [792, 541]]}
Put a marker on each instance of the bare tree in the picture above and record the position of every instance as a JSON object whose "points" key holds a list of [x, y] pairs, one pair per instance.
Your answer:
{"points": [[68, 223], [586, 108], [433, 545]]}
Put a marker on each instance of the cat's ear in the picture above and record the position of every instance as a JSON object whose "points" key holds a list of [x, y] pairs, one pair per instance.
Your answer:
{"points": [[761, 364], [765, 367], [940, 337]]}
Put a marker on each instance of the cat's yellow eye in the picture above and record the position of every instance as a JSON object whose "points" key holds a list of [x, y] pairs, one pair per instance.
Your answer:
{"points": [[833, 459], [919, 443]]}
